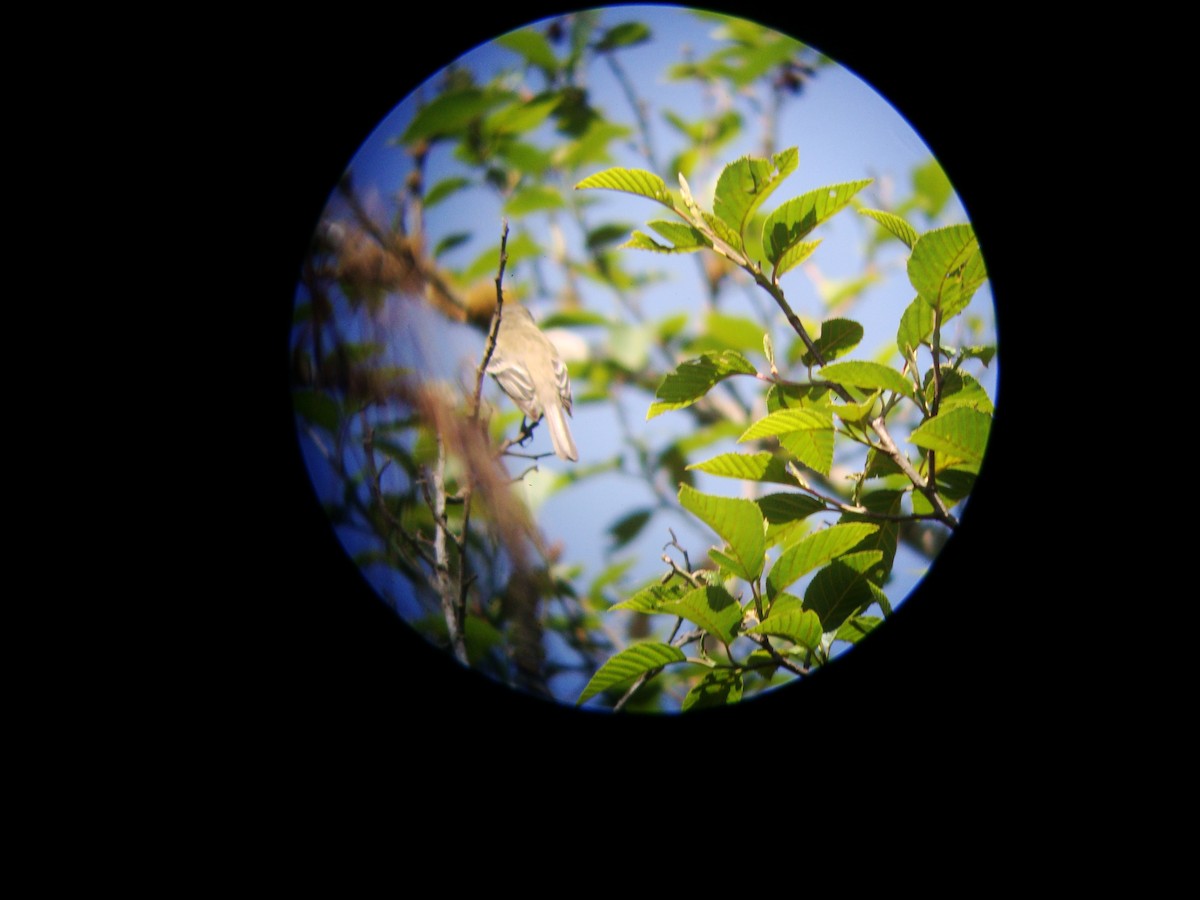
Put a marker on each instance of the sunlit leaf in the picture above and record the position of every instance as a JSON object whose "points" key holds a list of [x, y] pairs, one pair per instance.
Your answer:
{"points": [[799, 626], [870, 375], [712, 608], [652, 598], [522, 116], [745, 183], [738, 522], [916, 325], [894, 224], [814, 551], [747, 466], [696, 377], [958, 389], [630, 181], [962, 432], [787, 420], [788, 225], [946, 268], [629, 664]]}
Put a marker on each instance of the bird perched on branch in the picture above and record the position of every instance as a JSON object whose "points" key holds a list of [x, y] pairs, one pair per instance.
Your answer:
{"points": [[527, 366]]}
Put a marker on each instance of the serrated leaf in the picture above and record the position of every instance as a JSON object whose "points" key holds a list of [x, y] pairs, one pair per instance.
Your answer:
{"points": [[629, 664], [893, 224], [720, 687], [879, 503], [813, 448], [681, 235], [712, 608], [838, 337], [738, 522], [651, 599], [843, 588], [696, 377], [869, 375], [814, 551], [801, 626], [946, 268], [793, 256], [745, 183], [630, 181], [788, 225], [784, 421], [746, 466], [916, 325], [959, 389], [640, 241], [962, 432], [780, 509]]}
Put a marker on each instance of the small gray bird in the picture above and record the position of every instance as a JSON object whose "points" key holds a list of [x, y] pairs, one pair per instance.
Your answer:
{"points": [[528, 368]]}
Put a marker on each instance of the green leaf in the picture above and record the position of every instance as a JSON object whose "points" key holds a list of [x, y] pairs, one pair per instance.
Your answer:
{"points": [[444, 189], [533, 46], [651, 599], [961, 432], [696, 377], [801, 627], [870, 375], [813, 448], [591, 146], [787, 420], [712, 608], [609, 233], [451, 112], [838, 337], [843, 588], [534, 198], [684, 238], [814, 551], [946, 268], [720, 687], [630, 181], [738, 522], [916, 325], [879, 503], [450, 241], [745, 183], [894, 224], [959, 389], [784, 508], [854, 630], [747, 466], [793, 256], [627, 34], [932, 187], [788, 225], [629, 664]]}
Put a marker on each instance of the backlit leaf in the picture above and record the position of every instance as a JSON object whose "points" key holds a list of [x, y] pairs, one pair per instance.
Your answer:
{"points": [[814, 551], [962, 432], [629, 664], [843, 588], [738, 522], [696, 377]]}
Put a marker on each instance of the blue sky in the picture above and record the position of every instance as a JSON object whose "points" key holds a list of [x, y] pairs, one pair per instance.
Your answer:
{"points": [[844, 131]]}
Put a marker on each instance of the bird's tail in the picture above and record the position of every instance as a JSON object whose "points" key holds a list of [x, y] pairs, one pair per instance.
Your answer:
{"points": [[560, 434]]}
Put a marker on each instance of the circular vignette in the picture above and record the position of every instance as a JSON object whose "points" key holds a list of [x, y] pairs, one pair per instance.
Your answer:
{"points": [[416, 301]]}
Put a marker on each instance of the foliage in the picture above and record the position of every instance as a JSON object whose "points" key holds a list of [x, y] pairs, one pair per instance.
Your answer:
{"points": [[852, 455]]}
